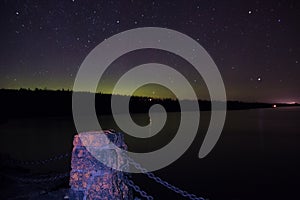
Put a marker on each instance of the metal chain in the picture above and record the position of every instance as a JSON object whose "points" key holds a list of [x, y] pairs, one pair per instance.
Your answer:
{"points": [[37, 162], [162, 182], [41, 179], [138, 189], [128, 181]]}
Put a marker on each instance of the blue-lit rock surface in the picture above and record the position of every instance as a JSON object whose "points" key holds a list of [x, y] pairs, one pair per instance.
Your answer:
{"points": [[90, 178]]}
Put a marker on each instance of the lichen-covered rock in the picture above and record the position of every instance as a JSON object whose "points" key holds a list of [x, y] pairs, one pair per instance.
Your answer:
{"points": [[90, 178]]}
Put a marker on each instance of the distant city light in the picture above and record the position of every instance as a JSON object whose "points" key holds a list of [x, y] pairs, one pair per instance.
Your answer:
{"points": [[274, 106]]}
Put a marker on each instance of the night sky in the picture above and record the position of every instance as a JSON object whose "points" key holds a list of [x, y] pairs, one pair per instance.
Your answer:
{"points": [[255, 44]]}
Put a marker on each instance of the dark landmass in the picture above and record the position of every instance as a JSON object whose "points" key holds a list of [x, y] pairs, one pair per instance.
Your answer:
{"points": [[43, 103], [248, 159]]}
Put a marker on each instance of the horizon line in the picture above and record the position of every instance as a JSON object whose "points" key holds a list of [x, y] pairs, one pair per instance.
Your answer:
{"points": [[138, 96]]}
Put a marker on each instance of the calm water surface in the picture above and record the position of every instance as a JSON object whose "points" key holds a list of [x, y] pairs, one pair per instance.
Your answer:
{"points": [[256, 157]]}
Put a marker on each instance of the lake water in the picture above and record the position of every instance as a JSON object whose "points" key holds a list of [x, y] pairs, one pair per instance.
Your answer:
{"points": [[256, 157]]}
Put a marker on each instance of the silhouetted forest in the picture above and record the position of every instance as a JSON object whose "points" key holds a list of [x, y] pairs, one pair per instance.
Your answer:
{"points": [[43, 103]]}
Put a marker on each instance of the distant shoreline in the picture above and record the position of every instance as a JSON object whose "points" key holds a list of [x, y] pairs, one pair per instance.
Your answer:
{"points": [[44, 103]]}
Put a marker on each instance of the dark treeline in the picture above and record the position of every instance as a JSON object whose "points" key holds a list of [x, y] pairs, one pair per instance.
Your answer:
{"points": [[43, 103]]}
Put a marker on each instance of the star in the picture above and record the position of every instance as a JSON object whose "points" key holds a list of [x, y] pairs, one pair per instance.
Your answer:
{"points": [[62, 35]]}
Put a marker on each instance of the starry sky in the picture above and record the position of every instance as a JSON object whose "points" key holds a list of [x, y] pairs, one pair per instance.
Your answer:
{"points": [[255, 44]]}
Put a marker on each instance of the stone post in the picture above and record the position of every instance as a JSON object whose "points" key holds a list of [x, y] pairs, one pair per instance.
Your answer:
{"points": [[90, 179]]}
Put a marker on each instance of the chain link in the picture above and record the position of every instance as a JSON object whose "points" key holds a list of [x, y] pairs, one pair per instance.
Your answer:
{"points": [[40, 179], [137, 189], [162, 182], [36, 162]]}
